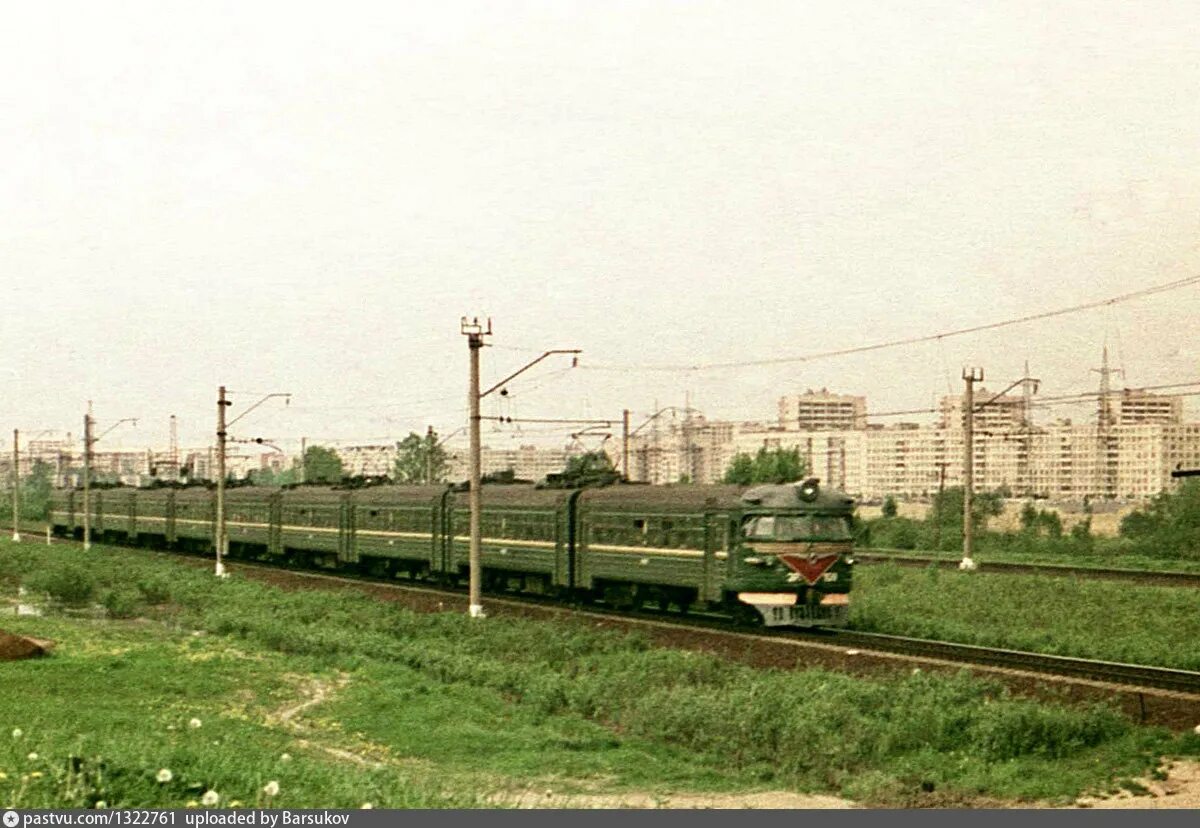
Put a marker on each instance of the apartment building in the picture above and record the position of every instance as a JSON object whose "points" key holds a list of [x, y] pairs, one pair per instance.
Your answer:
{"points": [[1134, 407], [367, 461], [822, 411], [526, 462], [1133, 458], [1002, 412]]}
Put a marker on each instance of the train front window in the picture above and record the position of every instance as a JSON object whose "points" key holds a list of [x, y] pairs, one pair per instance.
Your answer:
{"points": [[760, 527], [828, 527], [795, 528]]}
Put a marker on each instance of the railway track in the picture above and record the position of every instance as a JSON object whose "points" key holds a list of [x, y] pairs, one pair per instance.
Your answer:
{"points": [[1109, 672], [1129, 676], [1157, 577]]}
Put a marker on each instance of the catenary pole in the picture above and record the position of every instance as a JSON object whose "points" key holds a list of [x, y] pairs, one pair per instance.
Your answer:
{"points": [[219, 539], [430, 445], [625, 445], [16, 481], [87, 481], [221, 529], [475, 334], [970, 377]]}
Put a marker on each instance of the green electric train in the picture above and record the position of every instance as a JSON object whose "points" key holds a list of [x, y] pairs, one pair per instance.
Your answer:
{"points": [[777, 555]]}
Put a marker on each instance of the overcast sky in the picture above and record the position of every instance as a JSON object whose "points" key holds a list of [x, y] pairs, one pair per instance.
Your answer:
{"points": [[307, 197]]}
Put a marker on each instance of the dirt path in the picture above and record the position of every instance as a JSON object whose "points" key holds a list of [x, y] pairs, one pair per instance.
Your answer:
{"points": [[1181, 789], [633, 799], [317, 691]]}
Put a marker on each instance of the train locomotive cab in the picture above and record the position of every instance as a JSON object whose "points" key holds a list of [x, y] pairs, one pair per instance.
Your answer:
{"points": [[792, 556]]}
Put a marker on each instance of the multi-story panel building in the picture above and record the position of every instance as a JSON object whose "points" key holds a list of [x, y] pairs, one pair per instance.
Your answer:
{"points": [[822, 411], [1134, 407], [1004, 411], [526, 462], [367, 461]]}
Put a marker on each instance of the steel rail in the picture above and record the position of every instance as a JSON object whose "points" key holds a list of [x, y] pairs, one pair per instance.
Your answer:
{"points": [[1112, 672], [1161, 577]]}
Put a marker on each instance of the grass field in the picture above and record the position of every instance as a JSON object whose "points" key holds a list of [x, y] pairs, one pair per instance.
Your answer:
{"points": [[1059, 615], [327, 698]]}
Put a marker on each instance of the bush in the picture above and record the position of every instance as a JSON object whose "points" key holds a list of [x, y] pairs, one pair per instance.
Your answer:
{"points": [[155, 589], [122, 603], [69, 583]]}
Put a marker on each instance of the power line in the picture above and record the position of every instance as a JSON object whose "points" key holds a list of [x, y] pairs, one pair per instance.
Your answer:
{"points": [[1076, 398], [895, 343]]}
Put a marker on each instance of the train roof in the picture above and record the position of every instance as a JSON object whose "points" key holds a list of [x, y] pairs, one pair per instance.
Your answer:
{"points": [[807, 495], [683, 497]]}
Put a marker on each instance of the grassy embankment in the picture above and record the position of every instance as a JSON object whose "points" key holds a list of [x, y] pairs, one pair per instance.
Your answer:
{"points": [[1106, 620], [340, 700]]}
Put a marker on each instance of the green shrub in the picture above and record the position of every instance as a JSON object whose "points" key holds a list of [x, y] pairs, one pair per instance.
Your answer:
{"points": [[68, 583], [122, 603], [155, 589]]}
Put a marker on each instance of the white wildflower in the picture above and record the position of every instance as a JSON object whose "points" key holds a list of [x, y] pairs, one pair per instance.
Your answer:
{"points": [[366, 806], [18, 733], [32, 757], [285, 757], [271, 788], [210, 799], [101, 805], [195, 723], [1197, 730], [191, 803], [164, 775]]}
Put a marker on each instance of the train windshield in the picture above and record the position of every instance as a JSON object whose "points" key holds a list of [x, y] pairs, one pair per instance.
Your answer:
{"points": [[796, 527]]}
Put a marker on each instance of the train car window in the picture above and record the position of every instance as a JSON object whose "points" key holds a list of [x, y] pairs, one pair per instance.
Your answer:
{"points": [[639, 523]]}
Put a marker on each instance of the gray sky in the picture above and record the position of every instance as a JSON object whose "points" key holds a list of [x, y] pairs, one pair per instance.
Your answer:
{"points": [[306, 198]]}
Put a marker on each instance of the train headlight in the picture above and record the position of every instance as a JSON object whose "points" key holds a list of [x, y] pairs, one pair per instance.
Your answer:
{"points": [[808, 490]]}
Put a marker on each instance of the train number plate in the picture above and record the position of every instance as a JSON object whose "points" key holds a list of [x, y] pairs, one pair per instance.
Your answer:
{"points": [[788, 616]]}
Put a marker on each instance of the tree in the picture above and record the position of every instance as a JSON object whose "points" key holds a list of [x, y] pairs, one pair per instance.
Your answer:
{"points": [[1029, 518], [419, 459], [948, 509], [1169, 523], [889, 507], [322, 465], [768, 466], [1081, 533], [35, 494]]}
